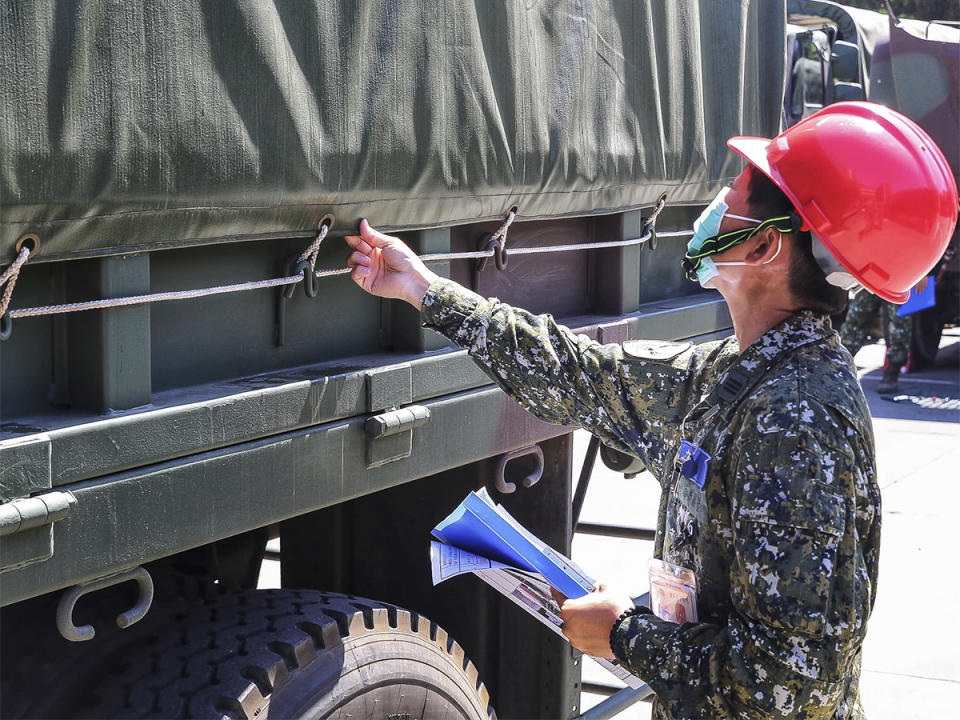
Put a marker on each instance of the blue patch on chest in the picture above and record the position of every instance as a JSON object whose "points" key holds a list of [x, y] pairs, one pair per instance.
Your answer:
{"points": [[692, 462]]}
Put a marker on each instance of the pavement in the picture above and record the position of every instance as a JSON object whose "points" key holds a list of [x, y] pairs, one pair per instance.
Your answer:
{"points": [[911, 657], [911, 664]]}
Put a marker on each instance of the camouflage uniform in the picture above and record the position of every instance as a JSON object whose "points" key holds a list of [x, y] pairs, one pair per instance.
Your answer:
{"points": [[864, 308], [784, 534]]}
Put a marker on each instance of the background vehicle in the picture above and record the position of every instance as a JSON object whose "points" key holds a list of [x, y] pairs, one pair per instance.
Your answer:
{"points": [[844, 53], [149, 451]]}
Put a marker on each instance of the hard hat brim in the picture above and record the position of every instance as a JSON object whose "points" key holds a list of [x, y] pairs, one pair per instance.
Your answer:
{"points": [[756, 151], [753, 149]]}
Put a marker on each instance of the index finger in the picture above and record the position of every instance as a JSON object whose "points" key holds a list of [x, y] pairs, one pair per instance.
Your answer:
{"points": [[359, 244]]}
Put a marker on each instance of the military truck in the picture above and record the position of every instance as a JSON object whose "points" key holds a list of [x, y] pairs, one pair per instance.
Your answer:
{"points": [[186, 373], [838, 53]]}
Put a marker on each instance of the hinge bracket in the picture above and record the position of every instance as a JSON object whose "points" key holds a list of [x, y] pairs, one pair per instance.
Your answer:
{"points": [[26, 528], [27, 513]]}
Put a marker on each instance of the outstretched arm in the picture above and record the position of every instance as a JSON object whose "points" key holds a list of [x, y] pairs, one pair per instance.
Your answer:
{"points": [[633, 404]]}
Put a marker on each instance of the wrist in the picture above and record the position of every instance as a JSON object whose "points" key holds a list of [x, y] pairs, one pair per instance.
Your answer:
{"points": [[418, 286], [626, 614]]}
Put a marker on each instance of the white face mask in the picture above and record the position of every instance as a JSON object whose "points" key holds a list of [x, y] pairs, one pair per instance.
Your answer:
{"points": [[708, 266], [706, 227]]}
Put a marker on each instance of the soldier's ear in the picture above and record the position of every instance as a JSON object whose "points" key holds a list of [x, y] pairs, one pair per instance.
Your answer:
{"points": [[767, 245]]}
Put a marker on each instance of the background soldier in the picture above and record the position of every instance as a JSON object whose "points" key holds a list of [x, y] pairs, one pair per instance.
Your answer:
{"points": [[762, 443], [861, 320]]}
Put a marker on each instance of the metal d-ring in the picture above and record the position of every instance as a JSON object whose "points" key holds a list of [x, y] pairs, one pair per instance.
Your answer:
{"points": [[311, 283], [289, 270], [500, 255], [86, 632], [650, 228], [531, 478], [6, 326], [489, 243]]}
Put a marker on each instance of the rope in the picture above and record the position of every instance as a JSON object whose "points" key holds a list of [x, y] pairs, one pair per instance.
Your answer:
{"points": [[675, 233], [661, 204], [9, 278], [314, 249], [501, 234], [480, 254], [151, 298], [311, 251]]}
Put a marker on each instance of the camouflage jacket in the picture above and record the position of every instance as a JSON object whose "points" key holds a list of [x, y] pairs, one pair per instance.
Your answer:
{"points": [[782, 529]]}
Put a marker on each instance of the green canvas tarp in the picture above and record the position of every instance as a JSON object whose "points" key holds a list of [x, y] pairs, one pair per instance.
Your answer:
{"points": [[128, 126]]}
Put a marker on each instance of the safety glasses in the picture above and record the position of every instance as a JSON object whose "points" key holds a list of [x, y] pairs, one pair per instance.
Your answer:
{"points": [[723, 242]]}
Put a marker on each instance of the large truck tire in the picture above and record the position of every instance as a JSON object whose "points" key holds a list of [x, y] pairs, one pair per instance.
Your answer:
{"points": [[291, 654], [925, 338], [43, 675]]}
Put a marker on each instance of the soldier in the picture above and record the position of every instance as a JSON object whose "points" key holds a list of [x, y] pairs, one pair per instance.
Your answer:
{"points": [[855, 331], [762, 442]]}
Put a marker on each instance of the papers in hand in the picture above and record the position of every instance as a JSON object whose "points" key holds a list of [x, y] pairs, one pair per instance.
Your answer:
{"points": [[485, 529], [481, 537]]}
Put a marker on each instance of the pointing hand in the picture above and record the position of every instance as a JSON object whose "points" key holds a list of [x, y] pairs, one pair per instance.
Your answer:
{"points": [[384, 266]]}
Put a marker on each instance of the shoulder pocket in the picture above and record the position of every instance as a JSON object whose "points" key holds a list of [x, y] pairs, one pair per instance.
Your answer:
{"points": [[820, 509], [660, 350]]}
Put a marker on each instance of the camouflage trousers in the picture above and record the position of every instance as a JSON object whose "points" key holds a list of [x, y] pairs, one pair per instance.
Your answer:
{"points": [[861, 318]]}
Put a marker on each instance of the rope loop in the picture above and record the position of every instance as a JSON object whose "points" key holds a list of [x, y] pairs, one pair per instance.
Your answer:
{"points": [[9, 279], [495, 245], [650, 225], [311, 253], [501, 234], [304, 264], [661, 203]]}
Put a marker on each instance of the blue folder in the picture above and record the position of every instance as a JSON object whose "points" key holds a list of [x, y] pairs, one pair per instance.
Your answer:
{"points": [[919, 301], [479, 526]]}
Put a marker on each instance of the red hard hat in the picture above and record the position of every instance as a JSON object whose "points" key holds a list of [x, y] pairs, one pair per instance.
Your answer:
{"points": [[871, 184]]}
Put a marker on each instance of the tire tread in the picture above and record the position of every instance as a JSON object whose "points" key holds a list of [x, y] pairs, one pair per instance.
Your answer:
{"points": [[252, 644]]}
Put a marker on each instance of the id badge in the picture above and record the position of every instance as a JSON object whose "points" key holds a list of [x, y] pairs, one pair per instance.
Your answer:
{"points": [[673, 592]]}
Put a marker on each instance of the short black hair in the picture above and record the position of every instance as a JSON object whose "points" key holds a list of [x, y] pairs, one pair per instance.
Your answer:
{"points": [[807, 281]]}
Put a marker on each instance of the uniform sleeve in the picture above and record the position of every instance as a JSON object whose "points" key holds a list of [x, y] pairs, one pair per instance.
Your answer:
{"points": [[799, 596], [566, 378]]}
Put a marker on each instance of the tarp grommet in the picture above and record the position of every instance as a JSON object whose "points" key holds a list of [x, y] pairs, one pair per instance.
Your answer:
{"points": [[32, 239]]}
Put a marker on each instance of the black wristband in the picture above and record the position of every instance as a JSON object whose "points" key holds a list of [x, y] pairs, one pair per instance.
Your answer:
{"points": [[629, 612]]}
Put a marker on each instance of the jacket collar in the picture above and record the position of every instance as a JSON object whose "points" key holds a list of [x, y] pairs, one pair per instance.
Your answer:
{"points": [[801, 328]]}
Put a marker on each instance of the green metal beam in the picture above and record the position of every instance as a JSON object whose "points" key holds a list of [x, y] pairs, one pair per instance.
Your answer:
{"points": [[124, 520], [185, 422], [109, 350]]}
